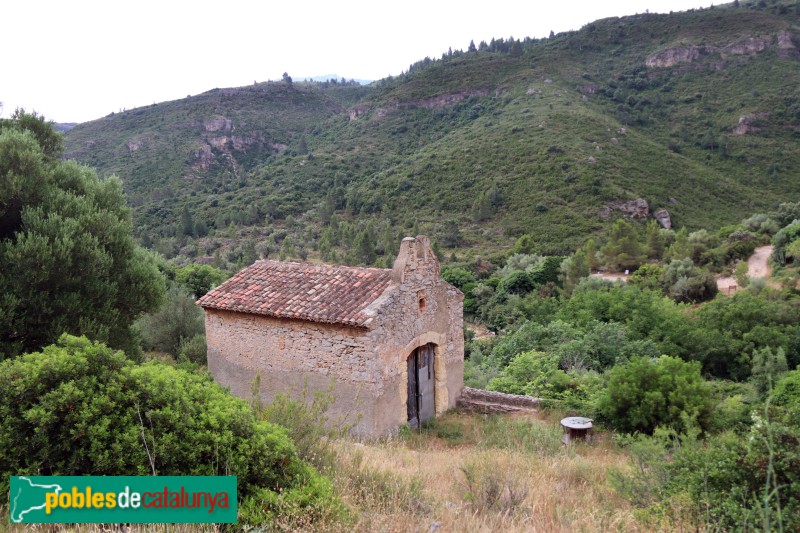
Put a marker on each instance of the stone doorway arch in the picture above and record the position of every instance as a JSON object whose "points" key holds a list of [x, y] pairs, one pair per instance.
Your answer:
{"points": [[421, 372], [437, 344]]}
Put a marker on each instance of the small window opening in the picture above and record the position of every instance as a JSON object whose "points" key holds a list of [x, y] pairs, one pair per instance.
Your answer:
{"points": [[422, 298]]}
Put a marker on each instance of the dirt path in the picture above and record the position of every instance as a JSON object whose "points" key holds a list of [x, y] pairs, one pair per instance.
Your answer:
{"points": [[610, 276], [757, 264], [757, 267]]}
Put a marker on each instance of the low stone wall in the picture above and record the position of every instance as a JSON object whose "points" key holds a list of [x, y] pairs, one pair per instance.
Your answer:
{"points": [[496, 402]]}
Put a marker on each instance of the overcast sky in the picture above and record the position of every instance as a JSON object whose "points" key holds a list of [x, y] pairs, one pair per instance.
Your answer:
{"points": [[77, 60]]}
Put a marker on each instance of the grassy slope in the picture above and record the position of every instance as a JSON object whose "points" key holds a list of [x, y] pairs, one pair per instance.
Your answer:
{"points": [[403, 162], [473, 473]]}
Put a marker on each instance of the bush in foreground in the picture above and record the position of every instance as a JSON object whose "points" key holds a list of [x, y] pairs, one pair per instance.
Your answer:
{"points": [[79, 408]]}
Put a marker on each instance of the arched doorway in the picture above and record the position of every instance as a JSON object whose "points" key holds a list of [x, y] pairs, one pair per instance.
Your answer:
{"points": [[421, 402]]}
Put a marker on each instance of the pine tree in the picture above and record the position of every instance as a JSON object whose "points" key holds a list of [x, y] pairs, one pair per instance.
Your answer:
{"points": [[364, 247], [655, 241], [590, 249], [287, 249], [481, 208], [768, 368], [623, 250], [573, 269], [302, 147], [187, 224], [681, 248]]}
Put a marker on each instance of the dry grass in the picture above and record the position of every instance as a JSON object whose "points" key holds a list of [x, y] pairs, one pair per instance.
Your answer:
{"points": [[458, 482]]}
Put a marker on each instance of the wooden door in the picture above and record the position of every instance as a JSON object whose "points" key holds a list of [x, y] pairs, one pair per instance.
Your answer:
{"points": [[421, 390]]}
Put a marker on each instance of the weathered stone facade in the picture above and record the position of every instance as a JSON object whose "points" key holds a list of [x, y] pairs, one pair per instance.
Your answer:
{"points": [[366, 364]]}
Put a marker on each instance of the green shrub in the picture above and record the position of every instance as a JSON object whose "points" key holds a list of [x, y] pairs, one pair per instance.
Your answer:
{"points": [[698, 288], [786, 213], [458, 277], [193, 349], [741, 274], [537, 374], [81, 408], [761, 223], [175, 321], [479, 370], [644, 394], [306, 420], [683, 282], [532, 373], [730, 329], [647, 277], [768, 367], [728, 482], [646, 315], [199, 279], [518, 282], [733, 403], [742, 483], [787, 391], [784, 238]]}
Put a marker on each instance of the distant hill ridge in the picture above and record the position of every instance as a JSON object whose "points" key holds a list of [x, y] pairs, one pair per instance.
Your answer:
{"points": [[696, 114]]}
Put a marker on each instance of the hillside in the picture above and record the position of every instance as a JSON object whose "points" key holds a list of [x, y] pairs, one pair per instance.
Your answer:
{"points": [[696, 113]]}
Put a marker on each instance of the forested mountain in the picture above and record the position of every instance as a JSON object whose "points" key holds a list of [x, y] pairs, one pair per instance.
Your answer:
{"points": [[696, 113]]}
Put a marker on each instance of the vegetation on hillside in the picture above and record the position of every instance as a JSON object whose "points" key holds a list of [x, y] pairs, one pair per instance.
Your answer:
{"points": [[474, 148]]}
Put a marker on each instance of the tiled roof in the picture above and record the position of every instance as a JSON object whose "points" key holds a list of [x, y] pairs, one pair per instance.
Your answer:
{"points": [[319, 293]]}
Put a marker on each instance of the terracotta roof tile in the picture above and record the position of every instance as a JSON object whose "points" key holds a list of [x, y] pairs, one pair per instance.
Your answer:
{"points": [[319, 293]]}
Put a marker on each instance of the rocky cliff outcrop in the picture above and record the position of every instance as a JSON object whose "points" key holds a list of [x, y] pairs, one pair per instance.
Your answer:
{"points": [[276, 146], [232, 142], [747, 47], [203, 157], [786, 46], [434, 102], [218, 123], [663, 218], [637, 208], [674, 56], [749, 123], [134, 146], [359, 110], [448, 99]]}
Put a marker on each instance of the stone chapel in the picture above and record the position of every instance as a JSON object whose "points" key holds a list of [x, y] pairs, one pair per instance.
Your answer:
{"points": [[390, 340]]}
